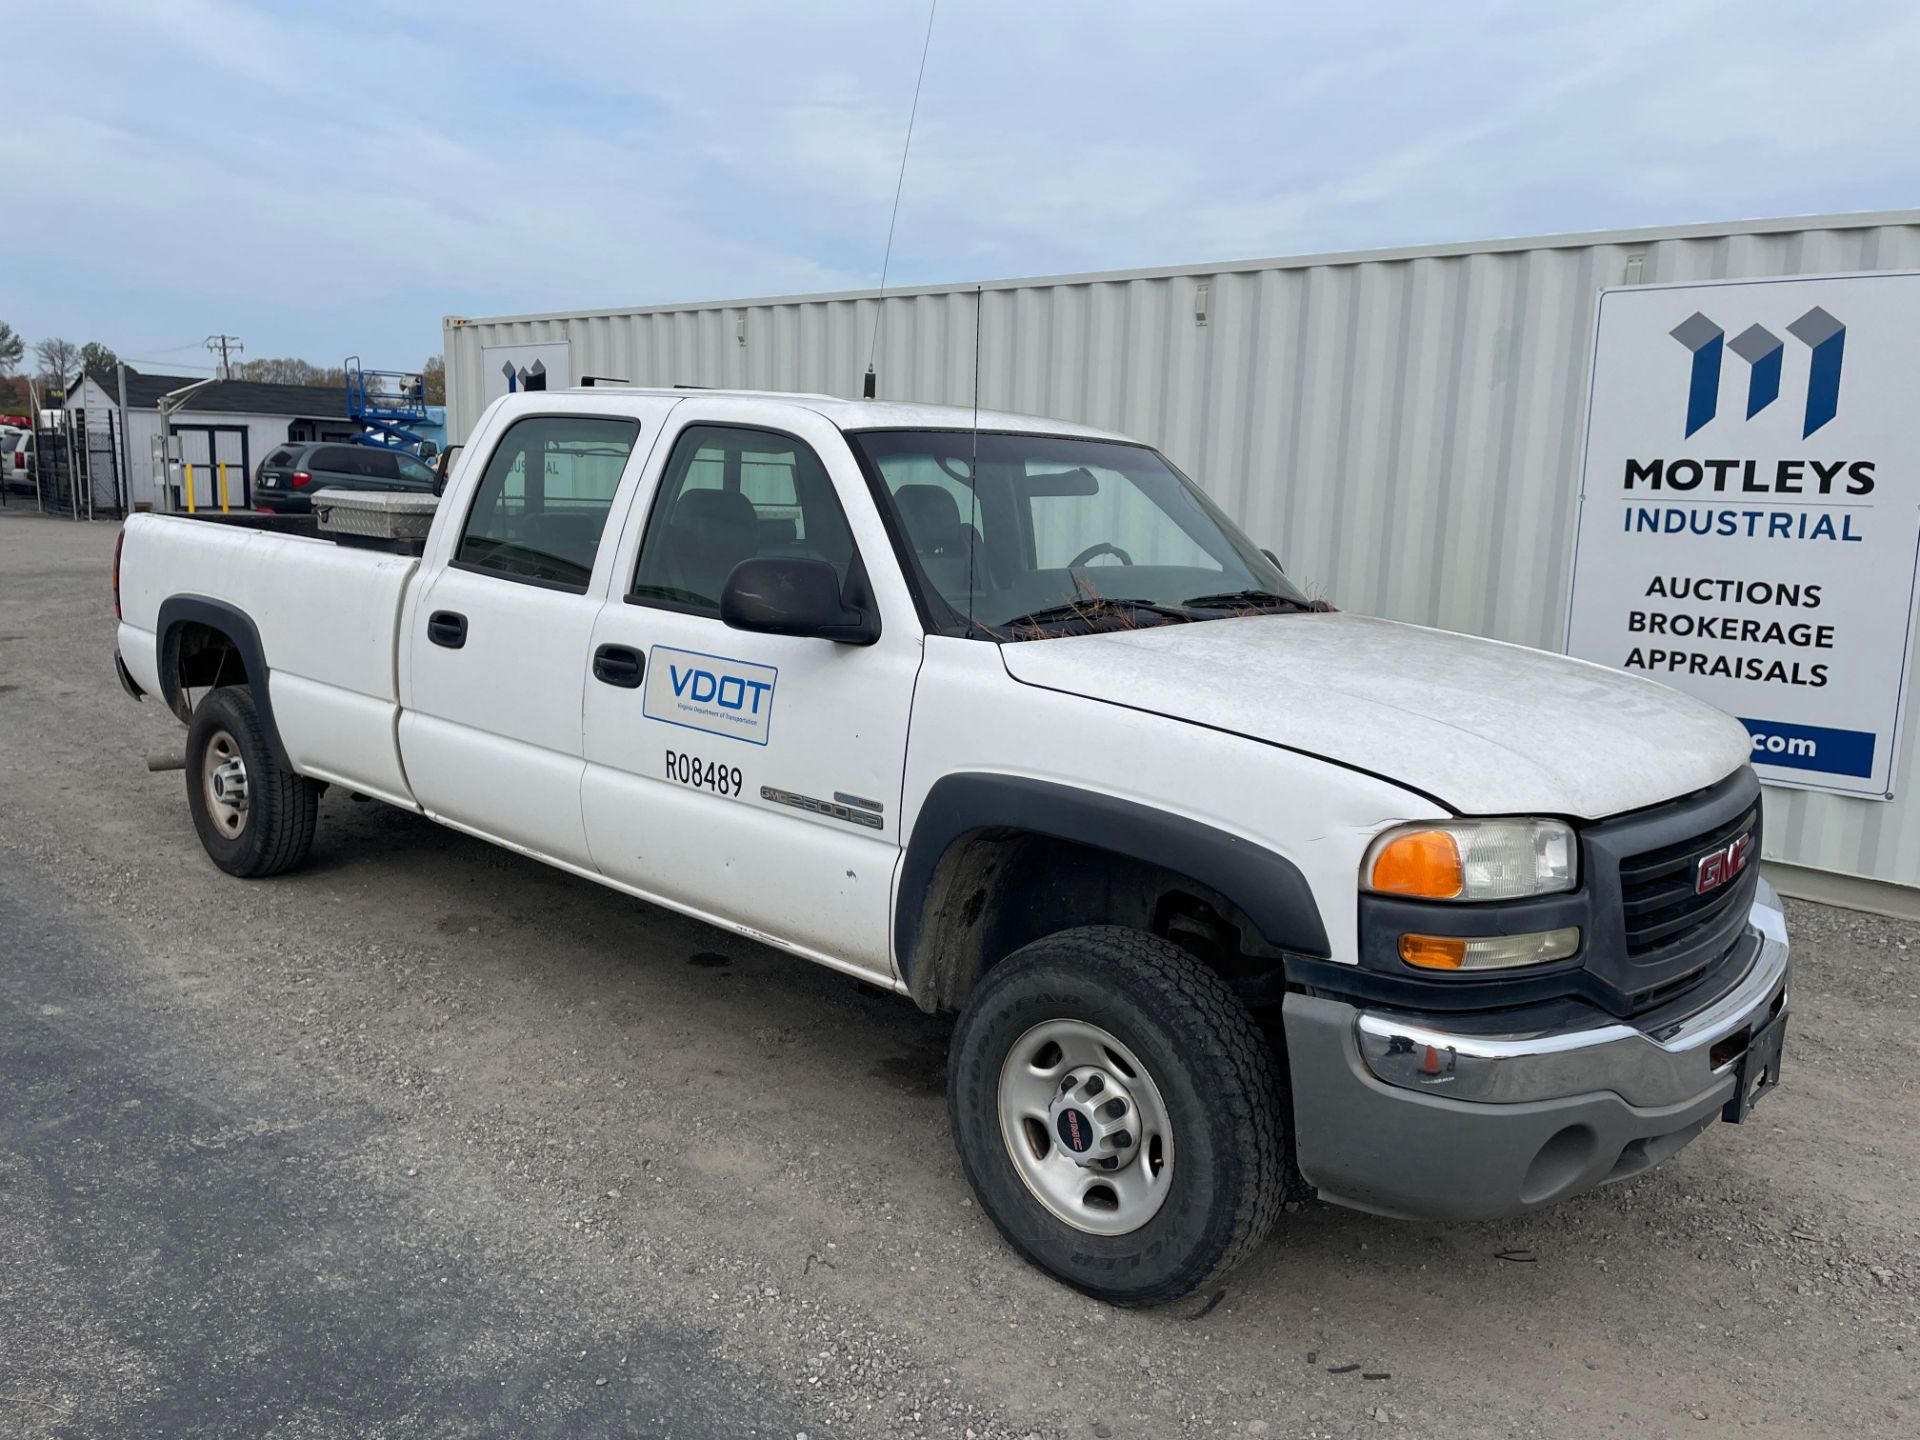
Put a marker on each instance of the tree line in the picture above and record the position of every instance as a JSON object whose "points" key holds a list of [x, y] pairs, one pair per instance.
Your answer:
{"points": [[59, 359]]}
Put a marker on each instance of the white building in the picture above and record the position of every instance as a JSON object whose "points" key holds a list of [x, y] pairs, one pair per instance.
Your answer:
{"points": [[230, 423]]}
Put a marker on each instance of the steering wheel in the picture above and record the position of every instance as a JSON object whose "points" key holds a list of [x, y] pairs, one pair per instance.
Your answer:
{"points": [[1094, 551]]}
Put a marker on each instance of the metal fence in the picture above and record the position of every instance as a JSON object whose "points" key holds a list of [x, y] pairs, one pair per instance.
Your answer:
{"points": [[77, 468]]}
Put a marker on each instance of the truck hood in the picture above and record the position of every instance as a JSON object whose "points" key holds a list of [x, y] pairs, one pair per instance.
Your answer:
{"points": [[1485, 727]]}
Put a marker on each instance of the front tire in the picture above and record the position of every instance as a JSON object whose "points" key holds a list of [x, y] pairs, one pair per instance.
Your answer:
{"points": [[1118, 1114], [254, 818]]}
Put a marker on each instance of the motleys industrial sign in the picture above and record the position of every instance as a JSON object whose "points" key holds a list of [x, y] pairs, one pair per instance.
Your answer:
{"points": [[516, 369], [1750, 510]]}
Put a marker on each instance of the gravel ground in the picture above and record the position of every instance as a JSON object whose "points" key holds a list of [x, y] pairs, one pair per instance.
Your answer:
{"points": [[428, 1139]]}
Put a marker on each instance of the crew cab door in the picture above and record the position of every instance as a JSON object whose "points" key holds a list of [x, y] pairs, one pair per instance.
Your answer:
{"points": [[752, 779], [497, 629]]}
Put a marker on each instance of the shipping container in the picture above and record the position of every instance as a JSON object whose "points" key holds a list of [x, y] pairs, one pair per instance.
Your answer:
{"points": [[1403, 427]]}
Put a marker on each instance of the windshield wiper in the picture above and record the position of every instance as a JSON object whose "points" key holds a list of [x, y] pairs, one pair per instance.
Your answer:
{"points": [[1252, 600], [1094, 607]]}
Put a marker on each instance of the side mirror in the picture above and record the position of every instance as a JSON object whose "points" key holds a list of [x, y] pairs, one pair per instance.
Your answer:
{"points": [[441, 466], [788, 595]]}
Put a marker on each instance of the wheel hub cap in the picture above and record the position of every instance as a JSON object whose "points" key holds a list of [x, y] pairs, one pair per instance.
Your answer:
{"points": [[1093, 1119], [1085, 1127], [230, 784]]}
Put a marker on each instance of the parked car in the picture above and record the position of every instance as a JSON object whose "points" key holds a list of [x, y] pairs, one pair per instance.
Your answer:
{"points": [[287, 478], [16, 458], [1234, 896]]}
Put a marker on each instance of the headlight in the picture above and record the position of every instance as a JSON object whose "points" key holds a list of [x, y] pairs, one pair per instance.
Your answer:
{"points": [[1473, 860]]}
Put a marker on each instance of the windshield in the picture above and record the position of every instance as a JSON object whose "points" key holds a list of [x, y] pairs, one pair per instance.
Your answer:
{"points": [[1064, 536]]}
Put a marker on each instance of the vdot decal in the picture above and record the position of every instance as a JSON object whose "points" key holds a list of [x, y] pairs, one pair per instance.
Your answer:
{"points": [[726, 697], [1824, 337]]}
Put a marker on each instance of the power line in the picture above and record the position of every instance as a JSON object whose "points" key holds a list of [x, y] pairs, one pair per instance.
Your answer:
{"points": [[170, 349], [886, 258], [171, 364]]}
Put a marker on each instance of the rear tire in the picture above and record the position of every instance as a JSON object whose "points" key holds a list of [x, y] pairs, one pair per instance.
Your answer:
{"points": [[1130, 1033], [254, 818]]}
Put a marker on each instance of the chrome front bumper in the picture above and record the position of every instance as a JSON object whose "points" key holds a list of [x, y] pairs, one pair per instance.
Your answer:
{"points": [[1453, 1118], [1661, 1067]]}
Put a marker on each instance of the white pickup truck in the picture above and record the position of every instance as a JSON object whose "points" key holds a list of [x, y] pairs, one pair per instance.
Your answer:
{"points": [[1235, 896]]}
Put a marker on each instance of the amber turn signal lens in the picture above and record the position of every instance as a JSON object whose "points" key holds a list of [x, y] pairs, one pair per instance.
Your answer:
{"points": [[1424, 863], [1433, 952]]}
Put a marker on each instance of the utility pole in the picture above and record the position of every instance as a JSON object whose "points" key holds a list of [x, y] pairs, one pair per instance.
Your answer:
{"points": [[224, 343]]}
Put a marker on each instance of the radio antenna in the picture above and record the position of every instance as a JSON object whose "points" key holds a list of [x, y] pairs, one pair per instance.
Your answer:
{"points": [[973, 464], [879, 300]]}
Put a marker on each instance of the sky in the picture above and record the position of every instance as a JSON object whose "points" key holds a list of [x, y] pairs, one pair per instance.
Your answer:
{"points": [[329, 179]]}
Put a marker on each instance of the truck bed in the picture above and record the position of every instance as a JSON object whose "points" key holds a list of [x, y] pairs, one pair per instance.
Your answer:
{"points": [[305, 527], [328, 614]]}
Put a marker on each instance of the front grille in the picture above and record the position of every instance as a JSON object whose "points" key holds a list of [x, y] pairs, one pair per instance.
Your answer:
{"points": [[1660, 907], [1648, 942]]}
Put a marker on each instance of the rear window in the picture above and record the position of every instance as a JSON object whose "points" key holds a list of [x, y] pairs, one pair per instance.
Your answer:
{"points": [[279, 459], [544, 499]]}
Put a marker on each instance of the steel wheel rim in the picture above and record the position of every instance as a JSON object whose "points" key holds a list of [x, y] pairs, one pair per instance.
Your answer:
{"points": [[1091, 1199], [223, 783]]}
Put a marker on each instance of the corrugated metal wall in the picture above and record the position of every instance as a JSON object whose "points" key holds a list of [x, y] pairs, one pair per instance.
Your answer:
{"points": [[1402, 428]]}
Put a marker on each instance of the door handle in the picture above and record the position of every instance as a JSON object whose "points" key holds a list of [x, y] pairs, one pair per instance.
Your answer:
{"points": [[618, 665], [448, 628]]}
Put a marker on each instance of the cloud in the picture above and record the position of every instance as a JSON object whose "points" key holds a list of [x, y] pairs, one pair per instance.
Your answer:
{"points": [[333, 179]]}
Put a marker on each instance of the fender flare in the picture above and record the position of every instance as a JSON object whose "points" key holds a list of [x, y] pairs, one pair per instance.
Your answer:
{"points": [[178, 611], [1268, 887]]}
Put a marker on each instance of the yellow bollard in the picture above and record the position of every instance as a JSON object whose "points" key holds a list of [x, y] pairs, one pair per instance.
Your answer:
{"points": [[223, 487], [188, 486]]}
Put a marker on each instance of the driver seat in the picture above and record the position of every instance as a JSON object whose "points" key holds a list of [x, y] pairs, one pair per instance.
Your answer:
{"points": [[941, 539], [710, 532]]}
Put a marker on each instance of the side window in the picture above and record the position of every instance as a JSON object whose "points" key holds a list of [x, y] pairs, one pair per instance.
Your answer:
{"points": [[543, 500], [412, 469], [729, 495], [365, 461]]}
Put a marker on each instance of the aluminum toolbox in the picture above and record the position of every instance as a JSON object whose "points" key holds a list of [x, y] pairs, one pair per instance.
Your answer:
{"points": [[374, 514]]}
